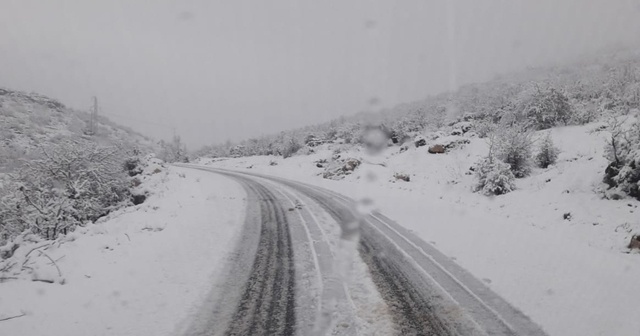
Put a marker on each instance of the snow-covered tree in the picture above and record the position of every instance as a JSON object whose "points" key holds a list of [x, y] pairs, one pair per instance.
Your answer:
{"points": [[547, 153], [12, 208], [349, 132], [620, 141], [585, 112], [513, 146], [290, 147], [494, 177], [174, 151], [547, 108], [623, 151]]}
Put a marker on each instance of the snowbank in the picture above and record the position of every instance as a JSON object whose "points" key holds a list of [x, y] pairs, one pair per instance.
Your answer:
{"points": [[141, 271]]}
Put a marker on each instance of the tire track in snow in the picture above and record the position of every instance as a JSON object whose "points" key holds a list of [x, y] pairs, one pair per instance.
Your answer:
{"points": [[412, 310], [334, 312], [414, 313], [267, 304]]}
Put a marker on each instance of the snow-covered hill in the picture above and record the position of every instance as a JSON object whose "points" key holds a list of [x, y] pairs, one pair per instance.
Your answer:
{"points": [[59, 168], [555, 247], [29, 120]]}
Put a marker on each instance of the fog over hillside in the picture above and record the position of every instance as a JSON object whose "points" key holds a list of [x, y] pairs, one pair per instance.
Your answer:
{"points": [[217, 70]]}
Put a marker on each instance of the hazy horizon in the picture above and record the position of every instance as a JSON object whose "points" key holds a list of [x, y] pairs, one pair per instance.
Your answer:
{"points": [[232, 70]]}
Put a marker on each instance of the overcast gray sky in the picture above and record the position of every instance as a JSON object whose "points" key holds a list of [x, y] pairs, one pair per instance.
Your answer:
{"points": [[232, 69]]}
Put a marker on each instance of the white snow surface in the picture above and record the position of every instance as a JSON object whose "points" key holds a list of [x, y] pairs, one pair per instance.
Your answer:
{"points": [[572, 276], [143, 270]]}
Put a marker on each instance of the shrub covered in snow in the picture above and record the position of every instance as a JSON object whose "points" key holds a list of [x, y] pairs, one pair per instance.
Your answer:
{"points": [[548, 108], [494, 177], [339, 168], [513, 146], [484, 128], [12, 221], [290, 147], [451, 142], [174, 151], [548, 153], [133, 166], [402, 176], [586, 112], [73, 182], [623, 150]]}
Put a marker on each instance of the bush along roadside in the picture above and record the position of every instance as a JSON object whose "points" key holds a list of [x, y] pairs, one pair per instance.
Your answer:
{"points": [[70, 184], [623, 151]]}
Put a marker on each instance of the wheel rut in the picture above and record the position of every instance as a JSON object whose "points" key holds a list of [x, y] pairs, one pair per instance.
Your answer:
{"points": [[267, 304]]}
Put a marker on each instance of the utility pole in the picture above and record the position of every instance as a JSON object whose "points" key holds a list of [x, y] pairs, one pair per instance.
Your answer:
{"points": [[94, 117]]}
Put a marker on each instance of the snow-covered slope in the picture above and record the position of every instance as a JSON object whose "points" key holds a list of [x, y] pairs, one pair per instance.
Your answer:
{"points": [[28, 121], [142, 270], [554, 247]]}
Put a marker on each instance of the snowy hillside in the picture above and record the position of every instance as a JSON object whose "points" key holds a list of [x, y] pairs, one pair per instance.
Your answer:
{"points": [[61, 168], [552, 246], [28, 121], [605, 83]]}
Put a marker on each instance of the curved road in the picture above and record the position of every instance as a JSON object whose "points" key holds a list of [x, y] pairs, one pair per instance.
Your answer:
{"points": [[270, 287]]}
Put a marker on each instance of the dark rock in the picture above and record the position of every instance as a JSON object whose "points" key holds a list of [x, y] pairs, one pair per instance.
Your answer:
{"points": [[7, 253], [615, 196], [437, 149], [351, 165], [456, 144], [133, 167], [403, 177], [610, 172], [635, 242], [138, 199]]}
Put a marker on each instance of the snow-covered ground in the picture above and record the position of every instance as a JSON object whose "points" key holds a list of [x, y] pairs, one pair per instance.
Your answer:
{"points": [[143, 270], [574, 276]]}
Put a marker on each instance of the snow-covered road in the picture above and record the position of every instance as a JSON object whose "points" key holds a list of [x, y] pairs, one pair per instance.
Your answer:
{"points": [[418, 290], [257, 297]]}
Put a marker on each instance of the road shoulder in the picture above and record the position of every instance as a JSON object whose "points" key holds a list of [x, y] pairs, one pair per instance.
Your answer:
{"points": [[141, 272]]}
